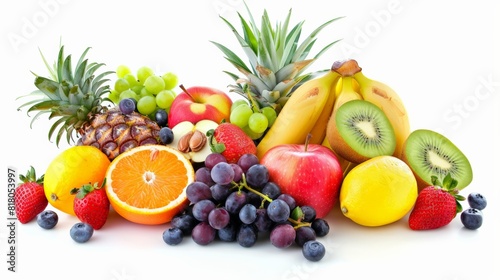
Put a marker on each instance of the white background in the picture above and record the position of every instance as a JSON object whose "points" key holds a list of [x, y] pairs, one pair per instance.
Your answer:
{"points": [[438, 55]]}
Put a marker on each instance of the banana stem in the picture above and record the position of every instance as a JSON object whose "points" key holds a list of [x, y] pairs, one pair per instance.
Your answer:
{"points": [[346, 68]]}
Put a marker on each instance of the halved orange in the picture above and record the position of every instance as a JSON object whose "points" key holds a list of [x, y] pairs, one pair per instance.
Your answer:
{"points": [[147, 184]]}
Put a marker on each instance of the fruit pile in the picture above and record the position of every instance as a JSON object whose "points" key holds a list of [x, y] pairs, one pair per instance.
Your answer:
{"points": [[275, 161], [236, 202]]}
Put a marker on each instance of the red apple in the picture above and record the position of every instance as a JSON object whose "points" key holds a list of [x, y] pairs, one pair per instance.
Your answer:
{"points": [[199, 103], [310, 173]]}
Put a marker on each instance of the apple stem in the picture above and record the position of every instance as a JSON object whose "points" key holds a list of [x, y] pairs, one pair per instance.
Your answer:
{"points": [[185, 90], [309, 136]]}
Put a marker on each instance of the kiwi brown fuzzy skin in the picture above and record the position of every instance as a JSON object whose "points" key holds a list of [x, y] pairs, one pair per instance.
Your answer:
{"points": [[340, 146], [424, 182]]}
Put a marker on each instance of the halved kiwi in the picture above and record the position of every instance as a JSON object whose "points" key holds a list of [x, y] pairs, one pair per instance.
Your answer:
{"points": [[428, 153], [361, 131]]}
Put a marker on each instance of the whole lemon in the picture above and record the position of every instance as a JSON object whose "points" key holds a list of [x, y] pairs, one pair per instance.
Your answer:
{"points": [[72, 168], [378, 191]]}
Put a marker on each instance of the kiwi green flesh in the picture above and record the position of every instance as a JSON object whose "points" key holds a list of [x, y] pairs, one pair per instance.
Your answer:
{"points": [[431, 154], [365, 129]]}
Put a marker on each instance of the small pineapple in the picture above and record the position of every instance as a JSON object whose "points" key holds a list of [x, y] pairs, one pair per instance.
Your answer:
{"points": [[76, 99], [277, 59]]}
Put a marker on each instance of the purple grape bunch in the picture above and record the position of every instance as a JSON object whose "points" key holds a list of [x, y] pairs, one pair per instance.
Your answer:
{"points": [[236, 202]]}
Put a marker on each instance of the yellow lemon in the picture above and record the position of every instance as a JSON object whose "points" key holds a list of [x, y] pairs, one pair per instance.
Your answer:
{"points": [[72, 168], [378, 191]]}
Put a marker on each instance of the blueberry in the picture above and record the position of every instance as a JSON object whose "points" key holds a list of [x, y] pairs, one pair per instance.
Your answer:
{"points": [[166, 135], [477, 201], [472, 218], [127, 106], [173, 236], [161, 117], [313, 250], [184, 222], [81, 232], [47, 219]]}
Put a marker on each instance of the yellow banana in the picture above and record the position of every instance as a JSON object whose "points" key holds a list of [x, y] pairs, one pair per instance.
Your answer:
{"points": [[300, 113], [318, 132], [345, 94], [389, 101]]}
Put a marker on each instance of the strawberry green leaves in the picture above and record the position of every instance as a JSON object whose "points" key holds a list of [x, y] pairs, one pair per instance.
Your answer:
{"points": [[449, 185]]}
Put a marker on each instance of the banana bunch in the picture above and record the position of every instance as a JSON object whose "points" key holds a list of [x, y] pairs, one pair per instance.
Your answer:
{"points": [[313, 106]]}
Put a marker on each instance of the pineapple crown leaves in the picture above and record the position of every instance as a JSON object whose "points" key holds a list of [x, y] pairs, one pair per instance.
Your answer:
{"points": [[70, 95], [277, 58], [31, 176], [82, 191], [449, 185]]}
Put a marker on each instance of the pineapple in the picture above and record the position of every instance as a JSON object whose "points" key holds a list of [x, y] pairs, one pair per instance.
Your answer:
{"points": [[76, 99], [277, 59]]}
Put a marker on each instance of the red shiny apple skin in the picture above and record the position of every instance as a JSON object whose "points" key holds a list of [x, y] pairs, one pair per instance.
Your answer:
{"points": [[202, 103], [313, 176]]}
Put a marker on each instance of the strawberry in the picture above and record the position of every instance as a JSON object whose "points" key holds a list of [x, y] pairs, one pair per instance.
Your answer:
{"points": [[91, 204], [29, 197], [436, 205], [231, 141]]}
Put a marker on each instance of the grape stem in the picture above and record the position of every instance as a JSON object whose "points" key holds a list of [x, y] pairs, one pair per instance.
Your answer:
{"points": [[243, 185], [297, 224]]}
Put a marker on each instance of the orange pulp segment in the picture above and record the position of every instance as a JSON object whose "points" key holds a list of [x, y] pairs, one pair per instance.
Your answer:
{"points": [[147, 184]]}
